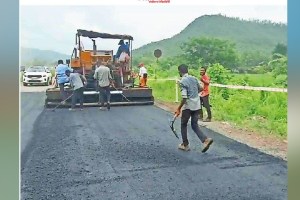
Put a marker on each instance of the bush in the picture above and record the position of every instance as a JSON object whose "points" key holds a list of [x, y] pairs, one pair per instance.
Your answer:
{"points": [[219, 74]]}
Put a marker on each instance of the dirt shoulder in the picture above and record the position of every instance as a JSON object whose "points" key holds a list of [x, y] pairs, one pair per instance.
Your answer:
{"points": [[266, 143]]}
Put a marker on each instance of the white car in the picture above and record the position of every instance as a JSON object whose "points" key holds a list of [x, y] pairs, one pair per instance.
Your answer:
{"points": [[37, 75]]}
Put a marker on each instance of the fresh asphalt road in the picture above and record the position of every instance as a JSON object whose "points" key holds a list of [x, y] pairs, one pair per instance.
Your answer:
{"points": [[130, 153]]}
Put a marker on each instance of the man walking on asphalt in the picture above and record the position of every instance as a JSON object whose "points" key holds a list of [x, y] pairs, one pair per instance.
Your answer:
{"points": [[190, 105], [62, 78], [77, 82], [204, 95], [104, 78]]}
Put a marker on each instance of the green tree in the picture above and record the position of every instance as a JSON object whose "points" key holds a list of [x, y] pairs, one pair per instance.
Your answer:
{"points": [[206, 51], [279, 49], [279, 69], [251, 59], [219, 74]]}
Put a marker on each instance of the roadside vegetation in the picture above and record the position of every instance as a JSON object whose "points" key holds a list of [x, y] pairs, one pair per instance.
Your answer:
{"points": [[264, 112], [260, 111]]}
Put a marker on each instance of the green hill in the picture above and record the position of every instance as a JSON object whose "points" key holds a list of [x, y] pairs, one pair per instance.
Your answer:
{"points": [[31, 56], [249, 36]]}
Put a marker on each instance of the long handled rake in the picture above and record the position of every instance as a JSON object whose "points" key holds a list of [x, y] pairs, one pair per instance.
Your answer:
{"points": [[53, 110], [121, 93]]}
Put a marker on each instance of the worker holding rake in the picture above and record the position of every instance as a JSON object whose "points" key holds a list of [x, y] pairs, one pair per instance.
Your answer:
{"points": [[190, 105], [78, 82]]}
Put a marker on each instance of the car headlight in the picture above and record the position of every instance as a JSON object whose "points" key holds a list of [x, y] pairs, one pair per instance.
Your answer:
{"points": [[25, 75]]}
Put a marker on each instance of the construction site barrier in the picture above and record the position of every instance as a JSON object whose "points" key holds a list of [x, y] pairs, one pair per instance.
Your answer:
{"points": [[240, 87]]}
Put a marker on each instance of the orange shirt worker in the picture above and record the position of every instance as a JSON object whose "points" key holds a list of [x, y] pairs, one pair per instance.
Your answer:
{"points": [[204, 95], [143, 75]]}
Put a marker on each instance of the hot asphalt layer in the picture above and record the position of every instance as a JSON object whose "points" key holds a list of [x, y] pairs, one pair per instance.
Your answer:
{"points": [[131, 153]]}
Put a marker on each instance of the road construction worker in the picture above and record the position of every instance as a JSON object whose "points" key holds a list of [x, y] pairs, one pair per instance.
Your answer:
{"points": [[104, 79], [204, 95], [122, 48], [77, 82], [123, 58], [62, 78], [190, 105], [142, 75]]}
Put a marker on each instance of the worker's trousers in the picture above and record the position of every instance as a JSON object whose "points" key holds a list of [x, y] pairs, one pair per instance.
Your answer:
{"points": [[104, 93], [78, 94], [62, 91], [205, 102], [194, 115]]}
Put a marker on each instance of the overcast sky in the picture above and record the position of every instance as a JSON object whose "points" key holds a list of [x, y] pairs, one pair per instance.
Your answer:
{"points": [[54, 27]]}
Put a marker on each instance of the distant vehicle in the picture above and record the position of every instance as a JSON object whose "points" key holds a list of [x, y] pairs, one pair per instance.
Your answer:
{"points": [[37, 75]]}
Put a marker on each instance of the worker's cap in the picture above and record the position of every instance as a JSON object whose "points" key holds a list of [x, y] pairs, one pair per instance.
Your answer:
{"points": [[141, 64]]}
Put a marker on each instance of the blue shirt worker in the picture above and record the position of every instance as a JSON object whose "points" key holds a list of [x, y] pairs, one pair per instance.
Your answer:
{"points": [[190, 105], [62, 78], [122, 48]]}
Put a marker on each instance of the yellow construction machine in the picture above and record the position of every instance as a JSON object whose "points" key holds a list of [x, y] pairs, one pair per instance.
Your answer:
{"points": [[124, 92]]}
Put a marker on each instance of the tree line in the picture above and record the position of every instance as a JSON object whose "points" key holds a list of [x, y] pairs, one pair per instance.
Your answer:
{"points": [[204, 51]]}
